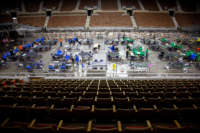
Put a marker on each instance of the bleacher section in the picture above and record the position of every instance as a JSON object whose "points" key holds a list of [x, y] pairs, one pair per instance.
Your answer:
{"points": [[149, 5], [88, 3], [109, 5], [188, 5], [68, 5], [188, 19], [130, 3], [32, 5], [50, 4], [141, 106], [37, 21], [67, 21], [110, 19], [153, 19], [168, 4]]}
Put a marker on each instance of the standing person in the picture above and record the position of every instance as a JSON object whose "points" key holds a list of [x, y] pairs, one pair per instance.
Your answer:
{"points": [[60, 41], [147, 53], [99, 46]]}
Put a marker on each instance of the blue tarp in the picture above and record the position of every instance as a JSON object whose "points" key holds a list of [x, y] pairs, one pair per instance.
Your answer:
{"points": [[59, 53], [69, 41], [4, 57], [75, 39], [112, 48], [42, 39], [51, 67], [77, 58], [63, 67], [37, 40], [67, 57], [28, 67], [24, 46], [8, 53], [193, 56], [16, 50], [28, 45]]}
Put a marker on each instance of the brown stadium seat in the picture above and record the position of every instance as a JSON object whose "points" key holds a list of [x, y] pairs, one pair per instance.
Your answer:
{"points": [[82, 112], [102, 113], [6, 111], [26, 101], [119, 94], [103, 102], [90, 94], [133, 94], [167, 113], [145, 113], [137, 127], [103, 94], [50, 93], [8, 100], [75, 94], [163, 129], [72, 127], [60, 113], [38, 127], [25, 93], [40, 101], [39, 112], [70, 101], [62, 94], [60, 102], [189, 113], [165, 126], [125, 114], [104, 90], [122, 103], [22, 113], [13, 126], [85, 101], [104, 127], [113, 89]]}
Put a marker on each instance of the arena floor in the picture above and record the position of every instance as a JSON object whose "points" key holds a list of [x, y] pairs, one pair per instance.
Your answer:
{"points": [[89, 68]]}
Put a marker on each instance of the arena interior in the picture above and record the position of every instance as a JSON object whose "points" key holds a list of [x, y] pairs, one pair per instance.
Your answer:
{"points": [[76, 66]]}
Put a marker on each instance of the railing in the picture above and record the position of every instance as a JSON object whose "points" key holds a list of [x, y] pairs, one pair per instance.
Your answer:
{"points": [[103, 75]]}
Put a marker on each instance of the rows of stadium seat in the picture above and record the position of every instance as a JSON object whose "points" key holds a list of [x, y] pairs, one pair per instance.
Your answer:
{"points": [[100, 106], [61, 126], [50, 114], [71, 21], [115, 92], [145, 19], [112, 19], [37, 21]]}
